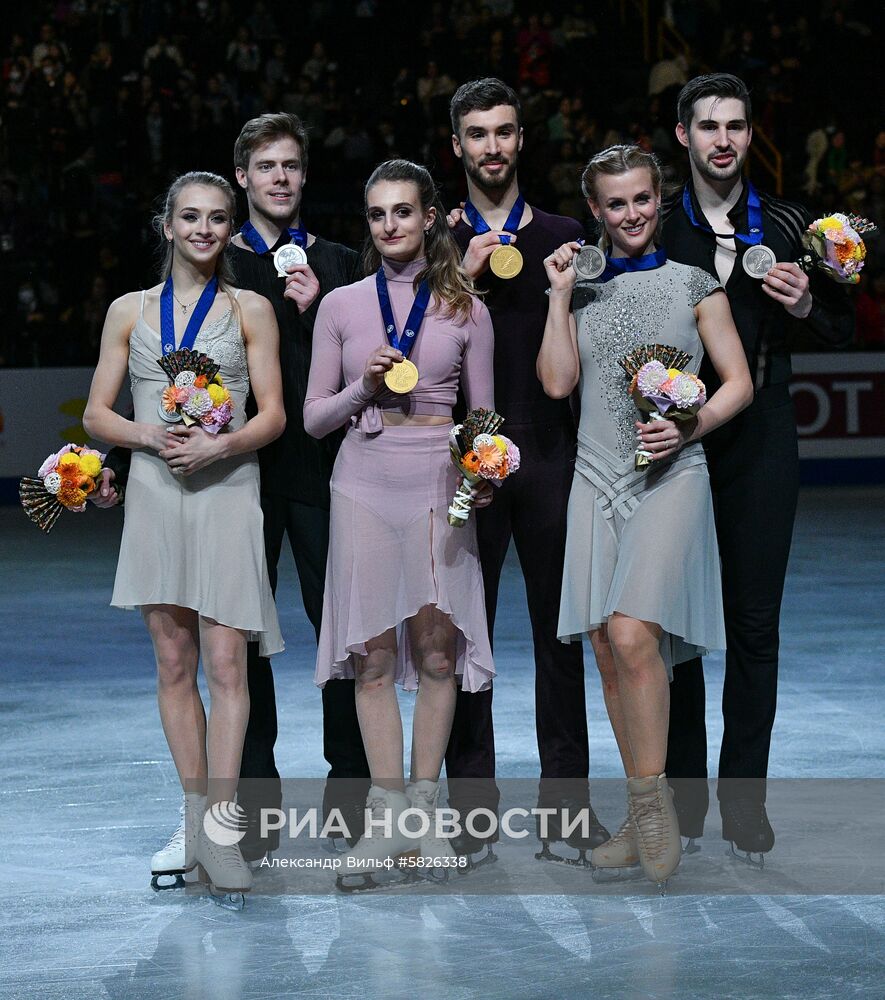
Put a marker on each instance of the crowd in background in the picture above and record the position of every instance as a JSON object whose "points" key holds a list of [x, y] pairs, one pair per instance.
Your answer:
{"points": [[102, 101]]}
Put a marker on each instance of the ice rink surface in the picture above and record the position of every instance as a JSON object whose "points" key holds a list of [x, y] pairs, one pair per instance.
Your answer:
{"points": [[89, 792]]}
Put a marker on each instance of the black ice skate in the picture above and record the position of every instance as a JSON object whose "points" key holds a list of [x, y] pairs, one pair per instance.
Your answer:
{"points": [[477, 850], [745, 824], [588, 833]]}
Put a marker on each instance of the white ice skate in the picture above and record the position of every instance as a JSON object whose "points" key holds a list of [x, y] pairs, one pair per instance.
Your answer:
{"points": [[438, 858], [226, 872], [169, 865], [618, 858], [380, 860]]}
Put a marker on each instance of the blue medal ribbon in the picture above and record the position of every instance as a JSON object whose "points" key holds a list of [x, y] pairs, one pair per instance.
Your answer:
{"points": [[255, 240], [406, 341], [167, 317], [481, 226], [621, 265], [754, 233]]}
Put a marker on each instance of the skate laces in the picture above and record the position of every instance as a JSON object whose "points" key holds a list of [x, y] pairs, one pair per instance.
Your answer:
{"points": [[651, 826], [376, 804], [626, 831]]}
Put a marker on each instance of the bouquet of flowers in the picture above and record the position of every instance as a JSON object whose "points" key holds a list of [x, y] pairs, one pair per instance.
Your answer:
{"points": [[62, 482], [835, 246], [196, 394], [660, 388], [482, 455]]}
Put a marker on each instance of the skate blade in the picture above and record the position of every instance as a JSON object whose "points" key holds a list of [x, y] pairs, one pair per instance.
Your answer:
{"points": [[581, 861], [747, 858], [178, 881], [607, 876], [385, 881], [234, 899]]}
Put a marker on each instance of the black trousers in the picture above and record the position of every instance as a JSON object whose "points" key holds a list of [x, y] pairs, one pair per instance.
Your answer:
{"points": [[308, 530], [530, 507], [754, 475]]}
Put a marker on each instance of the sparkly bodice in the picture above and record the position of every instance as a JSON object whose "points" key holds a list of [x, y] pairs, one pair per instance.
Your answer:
{"points": [[219, 338], [639, 307]]}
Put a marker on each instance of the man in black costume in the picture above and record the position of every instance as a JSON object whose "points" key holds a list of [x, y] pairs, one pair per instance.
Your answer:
{"points": [[753, 460]]}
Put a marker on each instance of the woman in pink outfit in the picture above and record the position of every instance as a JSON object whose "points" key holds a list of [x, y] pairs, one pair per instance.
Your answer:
{"points": [[404, 597]]}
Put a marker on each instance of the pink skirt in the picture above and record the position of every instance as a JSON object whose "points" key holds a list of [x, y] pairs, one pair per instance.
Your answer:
{"points": [[392, 552]]}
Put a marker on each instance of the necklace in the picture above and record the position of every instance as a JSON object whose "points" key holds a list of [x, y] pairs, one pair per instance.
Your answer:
{"points": [[184, 307]]}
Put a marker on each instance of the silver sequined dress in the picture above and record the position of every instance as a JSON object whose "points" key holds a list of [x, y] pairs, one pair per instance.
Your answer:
{"points": [[196, 541], [642, 543]]}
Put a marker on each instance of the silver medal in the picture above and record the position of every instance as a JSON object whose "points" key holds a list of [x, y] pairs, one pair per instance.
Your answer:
{"points": [[589, 263], [288, 256], [758, 260]]}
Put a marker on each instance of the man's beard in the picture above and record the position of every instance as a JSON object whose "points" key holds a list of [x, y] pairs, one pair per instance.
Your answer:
{"points": [[490, 183]]}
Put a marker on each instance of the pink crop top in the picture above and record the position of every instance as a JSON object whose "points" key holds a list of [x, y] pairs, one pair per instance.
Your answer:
{"points": [[349, 328]]}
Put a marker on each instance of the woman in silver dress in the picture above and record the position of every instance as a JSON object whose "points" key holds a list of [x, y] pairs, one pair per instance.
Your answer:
{"points": [[192, 553], [641, 571]]}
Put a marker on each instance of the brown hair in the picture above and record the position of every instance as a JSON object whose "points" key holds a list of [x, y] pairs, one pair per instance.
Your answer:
{"points": [[482, 95], [619, 160], [721, 85], [267, 128], [448, 283], [164, 217]]}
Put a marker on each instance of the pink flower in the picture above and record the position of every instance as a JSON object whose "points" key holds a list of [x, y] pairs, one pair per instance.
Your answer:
{"points": [[650, 377], [217, 418], [52, 461], [513, 457], [198, 405], [683, 389]]}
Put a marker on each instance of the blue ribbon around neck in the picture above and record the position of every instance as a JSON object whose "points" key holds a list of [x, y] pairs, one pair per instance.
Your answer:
{"points": [[255, 240], [406, 341], [754, 233], [167, 316], [481, 226], [621, 265]]}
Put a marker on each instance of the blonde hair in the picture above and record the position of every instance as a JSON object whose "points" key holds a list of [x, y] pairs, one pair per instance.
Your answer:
{"points": [[619, 160], [223, 268], [449, 285]]}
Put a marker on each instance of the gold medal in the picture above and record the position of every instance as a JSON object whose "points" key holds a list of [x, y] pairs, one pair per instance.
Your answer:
{"points": [[402, 378], [505, 261]]}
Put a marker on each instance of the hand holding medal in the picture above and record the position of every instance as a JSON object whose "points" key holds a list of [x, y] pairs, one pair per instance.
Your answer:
{"points": [[504, 260]]}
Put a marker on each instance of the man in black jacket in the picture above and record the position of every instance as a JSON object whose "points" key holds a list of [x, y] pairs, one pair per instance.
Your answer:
{"points": [[753, 460], [270, 157]]}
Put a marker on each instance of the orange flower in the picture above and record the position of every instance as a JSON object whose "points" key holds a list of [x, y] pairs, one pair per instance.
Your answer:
{"points": [[170, 398], [70, 494], [471, 462], [490, 456], [844, 251], [70, 474], [201, 381]]}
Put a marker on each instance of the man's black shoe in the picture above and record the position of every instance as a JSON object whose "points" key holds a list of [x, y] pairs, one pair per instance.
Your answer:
{"points": [[745, 824]]}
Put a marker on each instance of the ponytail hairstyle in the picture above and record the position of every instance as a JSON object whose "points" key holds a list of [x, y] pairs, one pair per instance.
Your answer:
{"points": [[449, 285], [619, 160], [223, 268]]}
